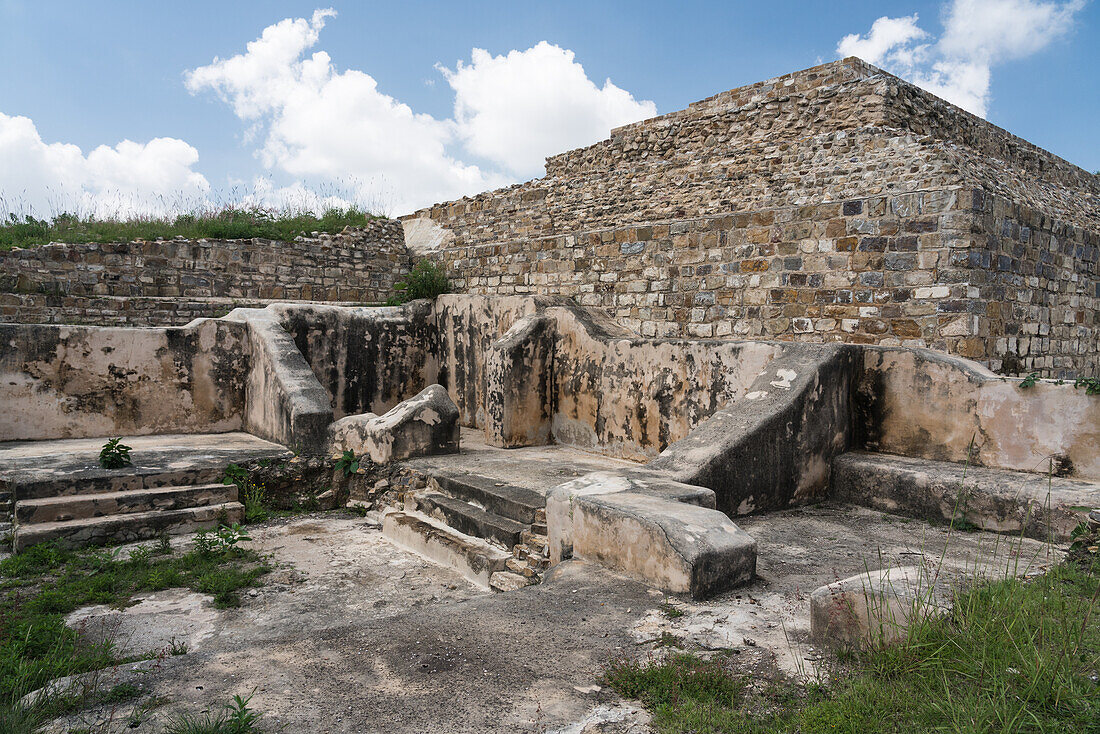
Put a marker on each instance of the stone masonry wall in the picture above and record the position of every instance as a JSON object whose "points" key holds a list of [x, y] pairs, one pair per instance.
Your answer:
{"points": [[962, 272], [836, 203], [173, 281]]}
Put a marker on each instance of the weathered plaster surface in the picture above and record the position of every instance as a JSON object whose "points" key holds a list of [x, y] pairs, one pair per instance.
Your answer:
{"points": [[1017, 503], [926, 404], [773, 448], [520, 394], [650, 528], [74, 381], [285, 402], [368, 359]]}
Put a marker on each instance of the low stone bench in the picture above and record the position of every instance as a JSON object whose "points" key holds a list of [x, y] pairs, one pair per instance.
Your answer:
{"points": [[1033, 505]]}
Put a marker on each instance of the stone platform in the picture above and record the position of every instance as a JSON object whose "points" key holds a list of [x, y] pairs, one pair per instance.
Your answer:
{"points": [[537, 468], [56, 490]]}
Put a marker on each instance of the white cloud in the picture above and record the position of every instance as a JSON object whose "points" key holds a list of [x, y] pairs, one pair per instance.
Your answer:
{"points": [[890, 41], [315, 128], [517, 109], [317, 123], [977, 35], [49, 178]]}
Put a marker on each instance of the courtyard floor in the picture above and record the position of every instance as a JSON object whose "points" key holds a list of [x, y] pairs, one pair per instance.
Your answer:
{"points": [[353, 634]]}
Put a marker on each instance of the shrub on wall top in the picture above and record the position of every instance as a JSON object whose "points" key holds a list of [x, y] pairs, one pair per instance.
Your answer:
{"points": [[426, 280]]}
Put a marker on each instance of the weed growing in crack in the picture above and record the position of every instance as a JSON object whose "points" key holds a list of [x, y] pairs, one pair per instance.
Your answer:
{"points": [[114, 454]]}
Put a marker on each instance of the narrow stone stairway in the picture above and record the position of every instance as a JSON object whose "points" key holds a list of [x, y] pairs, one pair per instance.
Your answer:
{"points": [[57, 491], [492, 532]]}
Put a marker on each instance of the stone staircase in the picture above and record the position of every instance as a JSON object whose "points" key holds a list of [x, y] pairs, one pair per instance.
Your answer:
{"points": [[492, 532], [173, 487]]}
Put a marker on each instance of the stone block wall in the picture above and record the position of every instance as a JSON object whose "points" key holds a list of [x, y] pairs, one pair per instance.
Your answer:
{"points": [[837, 203], [951, 270], [173, 281]]}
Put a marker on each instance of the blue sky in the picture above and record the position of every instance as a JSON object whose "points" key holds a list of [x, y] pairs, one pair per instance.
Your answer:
{"points": [[96, 74]]}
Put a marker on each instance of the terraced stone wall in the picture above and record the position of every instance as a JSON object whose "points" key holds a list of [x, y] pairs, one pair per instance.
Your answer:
{"points": [[172, 281], [837, 203]]}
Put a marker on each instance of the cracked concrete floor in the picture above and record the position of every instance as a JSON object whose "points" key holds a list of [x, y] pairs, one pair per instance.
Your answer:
{"points": [[352, 634]]}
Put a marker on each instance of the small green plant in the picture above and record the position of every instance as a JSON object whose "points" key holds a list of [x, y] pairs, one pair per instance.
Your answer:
{"points": [[254, 498], [235, 474], [177, 647], [425, 280], [1029, 381], [229, 536], [234, 718], [348, 463], [1091, 385], [221, 542], [114, 454], [205, 544], [670, 611]]}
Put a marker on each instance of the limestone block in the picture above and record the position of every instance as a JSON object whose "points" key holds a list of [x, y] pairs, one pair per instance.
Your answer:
{"points": [[650, 534], [876, 607], [519, 389], [423, 425]]}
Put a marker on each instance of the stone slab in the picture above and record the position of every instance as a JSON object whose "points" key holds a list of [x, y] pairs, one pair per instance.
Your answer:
{"points": [[126, 528], [473, 558], [423, 425], [1035, 505], [100, 504], [677, 546], [877, 607]]}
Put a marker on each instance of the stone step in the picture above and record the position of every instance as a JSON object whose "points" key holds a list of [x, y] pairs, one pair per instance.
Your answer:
{"points": [[997, 500], [126, 528], [473, 558], [537, 542], [508, 581], [507, 500], [101, 504], [470, 519], [128, 479]]}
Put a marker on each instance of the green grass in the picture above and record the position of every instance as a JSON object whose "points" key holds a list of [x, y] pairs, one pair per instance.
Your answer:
{"points": [[225, 223], [1013, 656], [41, 585]]}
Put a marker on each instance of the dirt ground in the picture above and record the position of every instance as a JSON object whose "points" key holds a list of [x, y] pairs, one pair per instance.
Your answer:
{"points": [[352, 634]]}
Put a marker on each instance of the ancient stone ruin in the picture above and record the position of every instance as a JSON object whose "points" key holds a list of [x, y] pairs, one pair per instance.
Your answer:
{"points": [[822, 287]]}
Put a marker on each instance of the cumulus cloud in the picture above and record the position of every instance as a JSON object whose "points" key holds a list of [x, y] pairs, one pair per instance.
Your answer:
{"points": [[977, 36], [46, 178], [890, 41], [317, 128], [516, 109], [315, 123]]}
